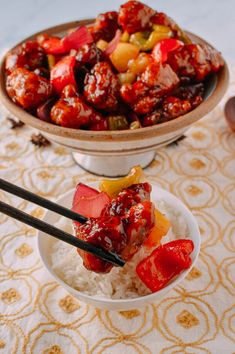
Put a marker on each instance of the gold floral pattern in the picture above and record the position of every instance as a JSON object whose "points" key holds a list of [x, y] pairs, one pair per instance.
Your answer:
{"points": [[12, 146], [130, 314], [154, 164], [37, 213], [193, 190], [197, 164], [187, 319], [24, 250], [45, 175], [54, 349], [2, 344], [10, 296], [194, 274], [202, 230], [198, 135], [69, 304], [43, 318], [60, 151]]}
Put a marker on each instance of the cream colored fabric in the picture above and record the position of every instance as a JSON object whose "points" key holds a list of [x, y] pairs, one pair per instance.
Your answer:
{"points": [[39, 316]]}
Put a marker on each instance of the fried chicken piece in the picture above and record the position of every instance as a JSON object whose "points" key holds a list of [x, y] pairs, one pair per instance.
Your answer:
{"points": [[29, 55], [120, 205], [135, 16], [138, 223], [105, 232], [122, 228], [28, 89], [147, 92], [172, 107], [102, 87], [105, 26], [195, 60], [89, 55], [73, 112]]}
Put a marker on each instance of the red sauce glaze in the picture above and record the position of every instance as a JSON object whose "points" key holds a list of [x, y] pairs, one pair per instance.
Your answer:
{"points": [[62, 74], [135, 16], [29, 55], [73, 112], [168, 83], [105, 26], [107, 233], [89, 55], [172, 107], [27, 88], [120, 205], [195, 61], [146, 93], [138, 223], [160, 18], [122, 228], [102, 87]]}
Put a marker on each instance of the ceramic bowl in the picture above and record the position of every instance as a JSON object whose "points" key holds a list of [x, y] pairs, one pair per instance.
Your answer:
{"points": [[112, 153], [46, 242]]}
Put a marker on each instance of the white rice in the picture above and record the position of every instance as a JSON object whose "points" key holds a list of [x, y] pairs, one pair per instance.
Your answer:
{"points": [[120, 283]]}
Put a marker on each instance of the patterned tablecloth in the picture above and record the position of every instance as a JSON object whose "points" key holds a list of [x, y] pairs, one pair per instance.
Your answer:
{"points": [[39, 316]]}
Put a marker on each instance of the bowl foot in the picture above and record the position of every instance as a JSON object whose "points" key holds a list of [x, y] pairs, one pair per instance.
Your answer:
{"points": [[112, 166]]}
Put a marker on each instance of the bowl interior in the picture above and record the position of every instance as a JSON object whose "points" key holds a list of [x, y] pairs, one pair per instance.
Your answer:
{"points": [[46, 242], [216, 87]]}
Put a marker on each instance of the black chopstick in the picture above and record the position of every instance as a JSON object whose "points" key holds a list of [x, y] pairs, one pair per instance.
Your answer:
{"points": [[59, 234], [36, 199]]}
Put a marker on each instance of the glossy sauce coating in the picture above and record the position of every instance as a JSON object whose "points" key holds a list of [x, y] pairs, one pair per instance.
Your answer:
{"points": [[135, 17], [29, 55], [72, 112], [122, 227], [101, 87], [27, 88], [136, 62]]}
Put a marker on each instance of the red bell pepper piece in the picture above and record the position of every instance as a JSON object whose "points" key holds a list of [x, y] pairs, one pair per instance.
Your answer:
{"points": [[182, 245], [73, 40], [163, 47], [53, 45], [164, 263], [180, 251], [62, 74]]}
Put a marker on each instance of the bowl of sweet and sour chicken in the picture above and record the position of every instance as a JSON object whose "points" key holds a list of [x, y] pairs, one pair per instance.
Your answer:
{"points": [[113, 89], [148, 227]]}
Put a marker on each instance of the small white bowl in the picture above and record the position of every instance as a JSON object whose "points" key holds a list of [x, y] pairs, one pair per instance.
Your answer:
{"points": [[46, 242]]}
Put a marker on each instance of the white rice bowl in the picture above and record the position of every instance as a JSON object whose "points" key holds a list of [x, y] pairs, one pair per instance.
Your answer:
{"points": [[119, 283]]}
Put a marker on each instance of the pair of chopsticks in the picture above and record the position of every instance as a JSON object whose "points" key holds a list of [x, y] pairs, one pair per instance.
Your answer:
{"points": [[49, 229]]}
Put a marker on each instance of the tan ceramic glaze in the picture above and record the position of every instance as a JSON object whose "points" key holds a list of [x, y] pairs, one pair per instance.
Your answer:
{"points": [[103, 147]]}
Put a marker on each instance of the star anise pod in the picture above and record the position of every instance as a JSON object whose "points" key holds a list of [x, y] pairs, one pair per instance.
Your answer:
{"points": [[176, 142], [39, 140], [15, 123]]}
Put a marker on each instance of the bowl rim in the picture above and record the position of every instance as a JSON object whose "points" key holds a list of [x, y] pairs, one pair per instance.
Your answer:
{"points": [[84, 135], [131, 301]]}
